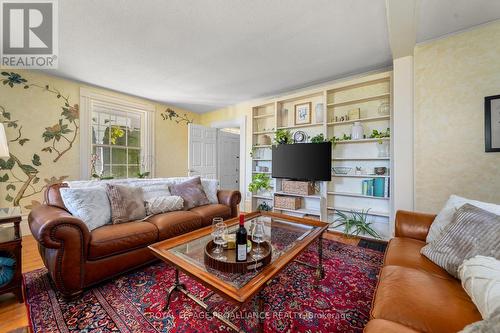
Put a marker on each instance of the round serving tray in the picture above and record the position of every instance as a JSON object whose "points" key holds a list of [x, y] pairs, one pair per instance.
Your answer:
{"points": [[231, 265]]}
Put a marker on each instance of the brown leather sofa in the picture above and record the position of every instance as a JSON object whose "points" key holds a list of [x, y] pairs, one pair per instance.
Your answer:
{"points": [[78, 258], [414, 294]]}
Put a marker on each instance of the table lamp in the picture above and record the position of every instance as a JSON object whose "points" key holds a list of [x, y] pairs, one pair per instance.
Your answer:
{"points": [[4, 148]]}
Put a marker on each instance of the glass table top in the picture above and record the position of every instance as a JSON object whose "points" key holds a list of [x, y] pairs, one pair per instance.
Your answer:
{"points": [[283, 235]]}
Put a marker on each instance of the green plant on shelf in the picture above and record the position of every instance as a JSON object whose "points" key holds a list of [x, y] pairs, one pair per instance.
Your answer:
{"points": [[283, 137], [355, 223], [344, 137], [320, 138], [260, 181], [380, 135]]}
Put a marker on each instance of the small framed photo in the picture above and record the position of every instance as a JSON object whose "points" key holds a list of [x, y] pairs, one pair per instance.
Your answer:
{"points": [[492, 124], [303, 113]]}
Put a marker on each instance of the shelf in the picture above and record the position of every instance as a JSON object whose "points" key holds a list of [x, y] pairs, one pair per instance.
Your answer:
{"points": [[356, 195], [373, 213], [264, 172], [361, 159], [316, 196], [262, 146], [300, 211], [263, 116], [263, 132], [264, 197], [261, 159], [361, 120], [360, 100], [301, 126], [361, 176], [361, 140]]}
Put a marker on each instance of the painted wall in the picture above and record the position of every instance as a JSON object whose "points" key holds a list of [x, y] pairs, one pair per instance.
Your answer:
{"points": [[41, 119], [452, 77]]}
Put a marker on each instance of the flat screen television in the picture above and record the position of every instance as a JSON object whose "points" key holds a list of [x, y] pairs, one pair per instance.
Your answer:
{"points": [[303, 161]]}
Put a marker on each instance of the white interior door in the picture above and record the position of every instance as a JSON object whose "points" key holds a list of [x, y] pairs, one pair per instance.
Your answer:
{"points": [[202, 151], [229, 160]]}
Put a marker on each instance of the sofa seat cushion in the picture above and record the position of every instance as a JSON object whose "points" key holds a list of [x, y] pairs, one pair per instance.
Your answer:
{"points": [[422, 301], [173, 224], [208, 212], [406, 252], [118, 238], [386, 326]]}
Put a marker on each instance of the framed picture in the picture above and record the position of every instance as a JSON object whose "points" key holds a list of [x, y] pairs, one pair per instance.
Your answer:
{"points": [[492, 124], [303, 113]]}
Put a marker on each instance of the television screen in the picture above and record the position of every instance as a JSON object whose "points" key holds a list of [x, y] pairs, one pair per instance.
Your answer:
{"points": [[303, 161]]}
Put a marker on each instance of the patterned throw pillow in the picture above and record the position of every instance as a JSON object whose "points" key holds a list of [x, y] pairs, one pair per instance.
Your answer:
{"points": [[90, 204], [127, 203], [164, 204], [192, 192], [473, 231]]}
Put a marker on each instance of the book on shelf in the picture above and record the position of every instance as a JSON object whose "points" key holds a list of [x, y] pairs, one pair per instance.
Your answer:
{"points": [[376, 187]]}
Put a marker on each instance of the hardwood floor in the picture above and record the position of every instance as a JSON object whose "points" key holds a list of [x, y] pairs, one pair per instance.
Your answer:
{"points": [[13, 315]]}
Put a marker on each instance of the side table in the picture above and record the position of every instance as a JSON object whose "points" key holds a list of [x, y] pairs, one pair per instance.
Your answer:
{"points": [[10, 252]]}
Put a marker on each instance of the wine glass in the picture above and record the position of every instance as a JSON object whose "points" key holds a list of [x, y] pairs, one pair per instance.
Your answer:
{"points": [[220, 239], [216, 222], [258, 237]]}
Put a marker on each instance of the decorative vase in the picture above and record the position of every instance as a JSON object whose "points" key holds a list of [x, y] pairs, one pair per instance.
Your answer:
{"points": [[357, 131], [383, 148], [319, 113]]}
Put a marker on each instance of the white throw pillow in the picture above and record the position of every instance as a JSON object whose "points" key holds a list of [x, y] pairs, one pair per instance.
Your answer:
{"points": [[480, 278], [210, 187], [445, 216], [164, 204], [90, 204]]}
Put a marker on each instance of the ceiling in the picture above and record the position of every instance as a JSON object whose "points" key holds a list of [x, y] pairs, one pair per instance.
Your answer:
{"points": [[203, 55]]}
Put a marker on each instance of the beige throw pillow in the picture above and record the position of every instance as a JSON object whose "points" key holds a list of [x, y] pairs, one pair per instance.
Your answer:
{"points": [[127, 203], [473, 231], [191, 191], [164, 204]]}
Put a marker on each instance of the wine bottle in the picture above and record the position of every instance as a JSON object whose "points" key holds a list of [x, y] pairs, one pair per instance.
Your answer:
{"points": [[241, 241]]}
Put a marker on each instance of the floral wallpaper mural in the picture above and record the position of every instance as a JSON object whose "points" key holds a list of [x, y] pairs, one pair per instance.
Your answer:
{"points": [[173, 115], [21, 176]]}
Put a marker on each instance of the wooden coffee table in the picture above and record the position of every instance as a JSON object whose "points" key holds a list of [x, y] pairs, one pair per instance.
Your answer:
{"points": [[289, 237]]}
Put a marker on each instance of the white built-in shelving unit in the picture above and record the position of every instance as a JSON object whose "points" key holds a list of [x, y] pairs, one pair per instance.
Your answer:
{"points": [[344, 192]]}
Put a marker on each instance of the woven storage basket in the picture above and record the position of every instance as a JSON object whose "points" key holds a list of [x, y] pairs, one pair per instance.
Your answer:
{"points": [[286, 202], [296, 187]]}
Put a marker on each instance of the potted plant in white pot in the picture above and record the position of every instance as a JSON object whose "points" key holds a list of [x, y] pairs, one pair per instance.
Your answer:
{"points": [[261, 184], [382, 145]]}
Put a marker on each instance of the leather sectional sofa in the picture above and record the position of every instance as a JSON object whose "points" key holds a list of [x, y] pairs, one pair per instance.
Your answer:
{"points": [[414, 294], [77, 258]]}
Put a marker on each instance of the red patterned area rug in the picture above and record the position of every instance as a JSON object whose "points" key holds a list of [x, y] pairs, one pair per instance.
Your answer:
{"points": [[134, 302]]}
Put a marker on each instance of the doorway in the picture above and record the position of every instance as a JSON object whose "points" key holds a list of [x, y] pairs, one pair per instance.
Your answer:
{"points": [[228, 158]]}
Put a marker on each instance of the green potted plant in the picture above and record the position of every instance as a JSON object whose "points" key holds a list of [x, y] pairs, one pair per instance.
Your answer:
{"points": [[260, 181], [320, 138], [355, 223], [382, 145], [283, 137]]}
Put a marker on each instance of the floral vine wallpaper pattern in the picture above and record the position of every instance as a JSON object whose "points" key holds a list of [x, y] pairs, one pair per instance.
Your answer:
{"points": [[22, 177]]}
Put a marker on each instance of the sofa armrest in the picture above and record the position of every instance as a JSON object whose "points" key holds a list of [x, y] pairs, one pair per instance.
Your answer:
{"points": [[231, 199], [63, 243], [413, 225]]}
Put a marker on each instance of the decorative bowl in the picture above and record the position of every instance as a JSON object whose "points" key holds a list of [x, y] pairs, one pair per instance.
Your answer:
{"points": [[380, 170], [341, 170]]}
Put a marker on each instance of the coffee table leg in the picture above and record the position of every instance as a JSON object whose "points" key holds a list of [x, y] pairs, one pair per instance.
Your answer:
{"points": [[320, 272], [177, 286], [260, 307]]}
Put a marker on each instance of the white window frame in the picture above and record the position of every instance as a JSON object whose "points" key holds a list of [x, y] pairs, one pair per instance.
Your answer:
{"points": [[90, 99]]}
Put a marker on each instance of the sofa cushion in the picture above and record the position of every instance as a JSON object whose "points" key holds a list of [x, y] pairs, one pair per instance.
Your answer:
{"points": [[446, 214], [117, 238], [422, 301], [173, 224], [127, 203], [405, 252], [474, 231], [192, 192], [386, 326], [208, 212], [90, 204]]}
